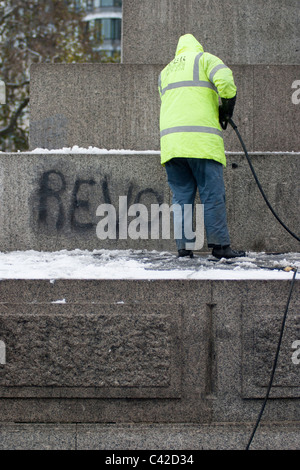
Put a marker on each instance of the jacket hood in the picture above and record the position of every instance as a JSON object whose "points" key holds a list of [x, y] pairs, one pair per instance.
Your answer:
{"points": [[188, 43]]}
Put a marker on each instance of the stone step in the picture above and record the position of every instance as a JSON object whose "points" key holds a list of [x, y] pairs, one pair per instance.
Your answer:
{"points": [[147, 351], [116, 106], [139, 437], [49, 201]]}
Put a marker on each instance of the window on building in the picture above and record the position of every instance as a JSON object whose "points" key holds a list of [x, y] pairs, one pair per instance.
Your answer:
{"points": [[110, 3], [89, 5], [107, 28], [93, 4], [98, 30], [111, 29], [103, 29]]}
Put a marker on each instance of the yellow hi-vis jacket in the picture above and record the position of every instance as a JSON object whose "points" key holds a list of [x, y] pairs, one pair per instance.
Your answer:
{"points": [[189, 88]]}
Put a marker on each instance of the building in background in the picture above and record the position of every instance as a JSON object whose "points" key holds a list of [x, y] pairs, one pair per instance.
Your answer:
{"points": [[103, 24]]}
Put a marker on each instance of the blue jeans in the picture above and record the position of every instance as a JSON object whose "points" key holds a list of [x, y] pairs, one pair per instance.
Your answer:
{"points": [[185, 175]]}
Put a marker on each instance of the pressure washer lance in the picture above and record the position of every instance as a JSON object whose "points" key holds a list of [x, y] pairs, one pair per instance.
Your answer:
{"points": [[287, 269]]}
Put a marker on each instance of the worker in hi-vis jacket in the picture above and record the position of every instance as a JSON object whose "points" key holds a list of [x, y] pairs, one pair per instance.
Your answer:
{"points": [[192, 147]]}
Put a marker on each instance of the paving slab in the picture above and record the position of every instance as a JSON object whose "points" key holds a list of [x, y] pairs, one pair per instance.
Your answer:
{"points": [[143, 437]]}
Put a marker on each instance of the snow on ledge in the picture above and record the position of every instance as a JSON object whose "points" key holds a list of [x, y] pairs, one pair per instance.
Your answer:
{"points": [[136, 265], [95, 150], [77, 149]]}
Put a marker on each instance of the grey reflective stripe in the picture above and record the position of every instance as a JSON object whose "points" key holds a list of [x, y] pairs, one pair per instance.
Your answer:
{"points": [[189, 83], [215, 70], [159, 83], [196, 67], [199, 83], [203, 129]]}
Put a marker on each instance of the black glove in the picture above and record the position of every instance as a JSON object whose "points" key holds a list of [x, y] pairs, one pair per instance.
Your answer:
{"points": [[226, 110]]}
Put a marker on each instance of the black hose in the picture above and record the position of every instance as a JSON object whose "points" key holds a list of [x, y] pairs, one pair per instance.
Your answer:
{"points": [[275, 362], [258, 183], [291, 288]]}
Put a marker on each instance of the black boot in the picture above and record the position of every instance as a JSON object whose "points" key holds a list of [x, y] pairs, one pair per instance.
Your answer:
{"points": [[183, 252], [226, 252]]}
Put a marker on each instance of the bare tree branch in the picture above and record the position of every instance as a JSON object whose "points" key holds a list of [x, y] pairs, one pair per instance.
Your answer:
{"points": [[13, 122], [35, 32], [54, 58], [35, 53], [17, 85], [8, 13]]}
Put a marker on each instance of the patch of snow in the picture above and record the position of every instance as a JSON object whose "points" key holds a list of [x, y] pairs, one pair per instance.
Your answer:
{"points": [[140, 264], [96, 150]]}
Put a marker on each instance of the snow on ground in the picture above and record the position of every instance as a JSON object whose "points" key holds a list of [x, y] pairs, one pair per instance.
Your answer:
{"points": [[142, 264]]}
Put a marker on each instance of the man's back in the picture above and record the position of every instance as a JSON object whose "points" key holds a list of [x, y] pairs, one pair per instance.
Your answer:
{"points": [[189, 87]]}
